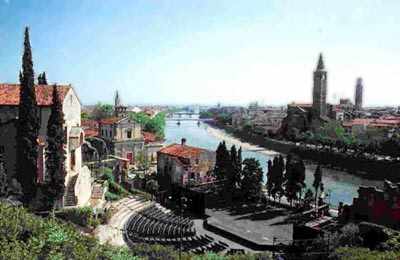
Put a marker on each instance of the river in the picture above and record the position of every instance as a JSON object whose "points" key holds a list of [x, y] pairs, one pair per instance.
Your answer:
{"points": [[340, 185]]}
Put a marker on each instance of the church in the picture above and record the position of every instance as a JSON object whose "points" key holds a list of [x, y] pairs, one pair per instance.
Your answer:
{"points": [[122, 134], [304, 116]]}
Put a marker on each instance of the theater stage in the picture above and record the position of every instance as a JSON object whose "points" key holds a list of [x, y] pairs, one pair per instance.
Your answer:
{"points": [[253, 227]]}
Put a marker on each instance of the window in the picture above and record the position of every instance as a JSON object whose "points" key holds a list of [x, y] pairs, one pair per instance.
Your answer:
{"points": [[72, 160], [129, 134]]}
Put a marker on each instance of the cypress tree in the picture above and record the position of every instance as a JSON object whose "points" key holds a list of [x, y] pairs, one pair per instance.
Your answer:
{"points": [[55, 153], [233, 169], [270, 180], [239, 163], [3, 181], [317, 183], [28, 126], [42, 79]]}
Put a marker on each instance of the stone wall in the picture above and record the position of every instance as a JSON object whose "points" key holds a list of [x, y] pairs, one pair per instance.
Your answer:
{"points": [[83, 187]]}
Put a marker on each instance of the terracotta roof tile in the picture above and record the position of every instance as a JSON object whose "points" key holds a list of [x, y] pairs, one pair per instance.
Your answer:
{"points": [[182, 151], [110, 121], [91, 132], [9, 94]]}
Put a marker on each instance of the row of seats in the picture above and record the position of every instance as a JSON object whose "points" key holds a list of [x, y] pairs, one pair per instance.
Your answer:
{"points": [[142, 226], [154, 226], [154, 212]]}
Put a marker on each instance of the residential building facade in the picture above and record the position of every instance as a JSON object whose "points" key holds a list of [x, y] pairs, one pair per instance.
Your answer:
{"points": [[183, 165]]}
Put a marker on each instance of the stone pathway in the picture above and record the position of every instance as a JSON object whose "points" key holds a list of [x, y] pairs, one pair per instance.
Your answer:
{"points": [[112, 232]]}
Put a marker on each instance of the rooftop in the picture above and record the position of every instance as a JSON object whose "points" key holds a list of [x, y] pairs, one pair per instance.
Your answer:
{"points": [[183, 151], [9, 94]]}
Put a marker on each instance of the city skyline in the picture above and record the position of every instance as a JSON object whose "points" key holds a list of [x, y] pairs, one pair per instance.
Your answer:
{"points": [[206, 52]]}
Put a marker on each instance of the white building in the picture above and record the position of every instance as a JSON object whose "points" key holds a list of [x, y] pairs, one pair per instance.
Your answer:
{"points": [[78, 178]]}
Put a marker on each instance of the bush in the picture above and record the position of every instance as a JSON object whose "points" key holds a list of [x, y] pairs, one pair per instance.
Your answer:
{"points": [[112, 196], [25, 236], [84, 216], [355, 253]]}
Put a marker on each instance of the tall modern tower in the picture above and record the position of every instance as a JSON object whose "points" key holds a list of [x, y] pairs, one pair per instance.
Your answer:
{"points": [[359, 94], [320, 89]]}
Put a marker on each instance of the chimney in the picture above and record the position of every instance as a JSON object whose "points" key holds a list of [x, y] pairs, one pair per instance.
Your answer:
{"points": [[183, 141]]}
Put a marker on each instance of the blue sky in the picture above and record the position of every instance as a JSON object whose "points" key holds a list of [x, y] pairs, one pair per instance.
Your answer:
{"points": [[207, 51]]}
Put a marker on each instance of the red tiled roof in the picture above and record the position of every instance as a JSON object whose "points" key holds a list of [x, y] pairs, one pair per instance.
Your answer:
{"points": [[380, 122], [87, 123], [110, 121], [149, 137], [182, 151], [91, 132], [9, 94]]}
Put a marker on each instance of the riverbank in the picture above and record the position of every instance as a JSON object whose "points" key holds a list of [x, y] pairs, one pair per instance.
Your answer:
{"points": [[230, 139], [368, 169], [341, 186]]}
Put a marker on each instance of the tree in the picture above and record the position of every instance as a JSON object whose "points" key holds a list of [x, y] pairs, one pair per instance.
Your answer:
{"points": [[3, 181], [55, 152], [308, 197], [102, 111], [294, 178], [270, 181], [279, 165], [42, 80], [317, 183], [252, 178], [220, 169], [28, 126], [233, 172], [239, 163], [152, 187], [223, 170]]}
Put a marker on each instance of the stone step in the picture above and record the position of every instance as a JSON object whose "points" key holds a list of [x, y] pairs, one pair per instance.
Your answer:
{"points": [[119, 219]]}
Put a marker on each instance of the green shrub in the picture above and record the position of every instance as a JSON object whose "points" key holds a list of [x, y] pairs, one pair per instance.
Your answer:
{"points": [[84, 216], [112, 196], [356, 253], [117, 189], [107, 174], [25, 236]]}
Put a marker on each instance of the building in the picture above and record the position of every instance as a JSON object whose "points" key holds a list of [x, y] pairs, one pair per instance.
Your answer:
{"points": [[152, 145], [303, 117], [90, 127], [77, 179], [320, 89], [378, 206], [183, 165], [123, 137], [119, 109], [360, 126], [298, 119], [358, 99]]}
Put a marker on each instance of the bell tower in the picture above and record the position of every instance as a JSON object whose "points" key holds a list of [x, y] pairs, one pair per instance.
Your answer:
{"points": [[320, 89], [119, 109]]}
